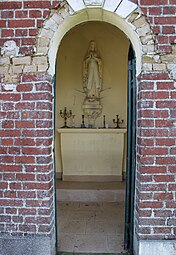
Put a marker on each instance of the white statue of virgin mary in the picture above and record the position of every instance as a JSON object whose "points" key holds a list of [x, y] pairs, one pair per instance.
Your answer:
{"points": [[92, 72]]}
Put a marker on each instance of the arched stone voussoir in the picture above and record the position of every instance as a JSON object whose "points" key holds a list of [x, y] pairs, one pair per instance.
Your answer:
{"points": [[126, 8], [76, 5]]}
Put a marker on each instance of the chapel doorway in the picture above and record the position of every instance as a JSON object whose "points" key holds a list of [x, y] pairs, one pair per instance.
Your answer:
{"points": [[91, 200]]}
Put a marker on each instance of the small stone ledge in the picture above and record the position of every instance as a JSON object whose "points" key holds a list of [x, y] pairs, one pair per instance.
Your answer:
{"points": [[27, 245], [156, 247]]}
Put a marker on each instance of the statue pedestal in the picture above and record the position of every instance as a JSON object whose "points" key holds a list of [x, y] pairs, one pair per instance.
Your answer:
{"points": [[92, 110], [92, 154]]}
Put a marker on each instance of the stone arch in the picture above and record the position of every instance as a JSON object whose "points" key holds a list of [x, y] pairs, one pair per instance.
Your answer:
{"points": [[123, 14]]}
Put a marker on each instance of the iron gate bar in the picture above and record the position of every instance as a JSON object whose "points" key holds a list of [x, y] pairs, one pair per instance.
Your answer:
{"points": [[131, 152]]}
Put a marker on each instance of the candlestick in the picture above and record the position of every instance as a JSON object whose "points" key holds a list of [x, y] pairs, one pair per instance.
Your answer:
{"points": [[117, 121], [82, 124], [65, 115]]}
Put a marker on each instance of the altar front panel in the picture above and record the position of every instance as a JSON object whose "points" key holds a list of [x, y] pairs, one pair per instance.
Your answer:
{"points": [[92, 154]]}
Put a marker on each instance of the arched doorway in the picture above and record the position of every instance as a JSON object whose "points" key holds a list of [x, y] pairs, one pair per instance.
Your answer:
{"points": [[61, 22], [114, 47]]}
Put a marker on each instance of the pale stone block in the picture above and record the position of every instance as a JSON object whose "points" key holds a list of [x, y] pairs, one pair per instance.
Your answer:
{"points": [[42, 68], [168, 58], [140, 22], [4, 70], [76, 5], [30, 69], [4, 61], [22, 60], [57, 18], [147, 67], [9, 78], [143, 30], [149, 49], [42, 50], [148, 39], [157, 58], [17, 69], [43, 42], [48, 33], [147, 59], [94, 3], [39, 60], [51, 24], [64, 13], [126, 8], [159, 67], [111, 5], [133, 17], [172, 68]]}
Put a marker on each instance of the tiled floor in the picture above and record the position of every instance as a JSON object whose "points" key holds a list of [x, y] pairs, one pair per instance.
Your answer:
{"points": [[91, 227]]}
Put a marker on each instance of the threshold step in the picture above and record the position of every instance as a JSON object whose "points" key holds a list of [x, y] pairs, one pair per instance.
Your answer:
{"points": [[87, 195]]}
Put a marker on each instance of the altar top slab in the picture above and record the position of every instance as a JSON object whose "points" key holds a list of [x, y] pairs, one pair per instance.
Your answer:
{"points": [[92, 130]]}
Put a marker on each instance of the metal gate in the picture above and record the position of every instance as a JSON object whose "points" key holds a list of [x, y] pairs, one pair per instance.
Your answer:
{"points": [[131, 151]]}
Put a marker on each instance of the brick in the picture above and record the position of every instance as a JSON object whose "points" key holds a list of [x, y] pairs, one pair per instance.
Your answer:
{"points": [[11, 202], [10, 194], [164, 178], [21, 14], [168, 29], [151, 205], [20, 32], [35, 14], [166, 160], [7, 14], [15, 185], [36, 4], [7, 33], [163, 213], [155, 10], [163, 196], [25, 142], [24, 88], [28, 41], [10, 168], [27, 228], [10, 5], [21, 23], [27, 211], [14, 150], [165, 141], [25, 124], [169, 10], [9, 133], [153, 187], [162, 230], [33, 32], [26, 194], [25, 159], [7, 124]]}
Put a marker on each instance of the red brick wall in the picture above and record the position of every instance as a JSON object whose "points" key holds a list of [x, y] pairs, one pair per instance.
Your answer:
{"points": [[26, 166]]}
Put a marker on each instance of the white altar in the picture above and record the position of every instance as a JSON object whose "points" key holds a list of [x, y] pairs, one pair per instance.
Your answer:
{"points": [[91, 154]]}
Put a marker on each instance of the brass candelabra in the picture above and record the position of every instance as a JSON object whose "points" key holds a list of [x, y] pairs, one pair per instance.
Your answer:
{"points": [[65, 115], [117, 121]]}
